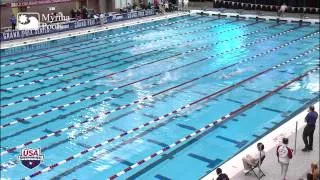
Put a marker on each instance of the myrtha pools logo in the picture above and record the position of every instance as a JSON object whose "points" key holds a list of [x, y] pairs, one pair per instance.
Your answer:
{"points": [[28, 21], [31, 158]]}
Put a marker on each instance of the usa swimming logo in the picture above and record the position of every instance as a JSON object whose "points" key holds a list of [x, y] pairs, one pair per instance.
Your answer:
{"points": [[31, 158]]}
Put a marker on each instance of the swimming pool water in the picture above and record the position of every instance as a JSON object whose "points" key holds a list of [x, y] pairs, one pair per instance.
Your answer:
{"points": [[122, 95]]}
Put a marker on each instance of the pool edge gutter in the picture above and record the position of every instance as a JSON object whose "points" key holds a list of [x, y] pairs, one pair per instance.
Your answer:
{"points": [[255, 16]]}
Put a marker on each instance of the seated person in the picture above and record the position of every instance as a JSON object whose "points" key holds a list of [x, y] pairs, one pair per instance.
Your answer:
{"points": [[122, 10], [221, 176], [129, 7], [161, 9], [253, 160], [314, 175], [166, 6]]}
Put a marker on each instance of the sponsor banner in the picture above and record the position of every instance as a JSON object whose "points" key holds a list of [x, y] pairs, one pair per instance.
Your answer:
{"points": [[130, 15], [66, 26], [48, 29]]}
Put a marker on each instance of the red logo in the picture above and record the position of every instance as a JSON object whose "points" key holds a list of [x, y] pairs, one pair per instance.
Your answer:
{"points": [[30, 158]]}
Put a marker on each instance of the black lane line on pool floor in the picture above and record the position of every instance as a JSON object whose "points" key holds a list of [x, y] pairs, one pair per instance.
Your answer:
{"points": [[6, 165], [290, 115], [80, 100], [81, 47], [211, 163], [9, 164], [88, 67], [64, 116], [57, 62], [96, 49], [107, 36], [51, 92], [239, 27], [120, 108], [100, 155], [125, 62], [88, 39], [61, 142], [146, 124], [182, 43], [81, 76], [201, 130], [66, 105], [108, 151], [60, 117], [114, 45]]}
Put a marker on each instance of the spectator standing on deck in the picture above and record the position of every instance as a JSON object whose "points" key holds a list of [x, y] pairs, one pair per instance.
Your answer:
{"points": [[252, 160], [182, 4], [221, 176], [308, 131], [13, 22], [284, 154], [129, 7], [186, 5], [282, 9], [73, 13], [84, 13], [102, 19], [166, 5], [78, 14], [149, 5]]}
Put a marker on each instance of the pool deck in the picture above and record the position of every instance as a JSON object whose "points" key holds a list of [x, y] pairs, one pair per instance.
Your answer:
{"points": [[299, 165]]}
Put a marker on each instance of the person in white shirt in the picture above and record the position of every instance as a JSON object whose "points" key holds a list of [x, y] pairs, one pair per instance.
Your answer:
{"points": [[186, 4], [102, 19], [166, 6], [282, 9], [252, 160], [284, 154]]}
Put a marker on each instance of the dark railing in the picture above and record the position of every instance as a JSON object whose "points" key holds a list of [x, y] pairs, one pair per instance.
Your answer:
{"points": [[294, 6]]}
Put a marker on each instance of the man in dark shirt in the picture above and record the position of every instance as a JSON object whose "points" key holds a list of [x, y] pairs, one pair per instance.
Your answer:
{"points": [[308, 131], [13, 22], [221, 176]]}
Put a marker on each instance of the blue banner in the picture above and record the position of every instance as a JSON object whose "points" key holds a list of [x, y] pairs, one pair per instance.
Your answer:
{"points": [[61, 27]]}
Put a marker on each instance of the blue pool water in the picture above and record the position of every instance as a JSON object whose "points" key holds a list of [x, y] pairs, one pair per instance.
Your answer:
{"points": [[71, 95]]}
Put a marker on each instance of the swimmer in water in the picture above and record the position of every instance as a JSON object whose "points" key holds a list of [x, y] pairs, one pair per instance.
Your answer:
{"points": [[167, 77], [233, 73]]}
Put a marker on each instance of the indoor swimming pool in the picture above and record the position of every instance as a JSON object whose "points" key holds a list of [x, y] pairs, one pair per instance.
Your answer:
{"points": [[170, 99]]}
